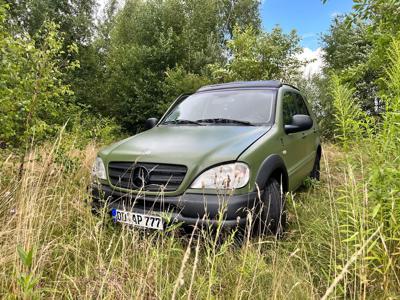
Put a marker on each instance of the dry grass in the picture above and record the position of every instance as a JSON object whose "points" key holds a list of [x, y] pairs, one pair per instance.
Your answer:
{"points": [[78, 255]]}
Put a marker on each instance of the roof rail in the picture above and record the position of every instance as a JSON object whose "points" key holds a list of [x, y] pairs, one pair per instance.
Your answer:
{"points": [[245, 84], [242, 84]]}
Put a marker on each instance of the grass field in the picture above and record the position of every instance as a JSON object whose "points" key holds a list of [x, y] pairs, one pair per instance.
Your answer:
{"points": [[53, 247]]}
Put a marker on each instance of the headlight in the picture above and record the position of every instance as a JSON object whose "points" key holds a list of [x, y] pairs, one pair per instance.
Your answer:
{"points": [[229, 176], [98, 169]]}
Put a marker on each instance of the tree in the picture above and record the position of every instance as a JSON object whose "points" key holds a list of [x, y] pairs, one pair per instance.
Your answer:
{"points": [[33, 94], [178, 81], [150, 40], [356, 48], [346, 45], [347, 49], [75, 18], [257, 55], [383, 19], [240, 13]]}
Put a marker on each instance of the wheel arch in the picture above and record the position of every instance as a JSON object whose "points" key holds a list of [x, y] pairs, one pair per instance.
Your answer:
{"points": [[273, 166]]}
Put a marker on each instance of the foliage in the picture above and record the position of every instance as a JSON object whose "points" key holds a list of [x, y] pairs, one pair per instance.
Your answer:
{"points": [[346, 51], [371, 204], [238, 13], [172, 34], [385, 173], [348, 113], [90, 128], [391, 94], [356, 48], [260, 55], [33, 94], [35, 98], [316, 89], [133, 58], [346, 44], [27, 281], [74, 18], [177, 82]]}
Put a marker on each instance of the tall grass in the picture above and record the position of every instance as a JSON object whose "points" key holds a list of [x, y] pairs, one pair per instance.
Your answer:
{"points": [[369, 201], [78, 255], [343, 239]]}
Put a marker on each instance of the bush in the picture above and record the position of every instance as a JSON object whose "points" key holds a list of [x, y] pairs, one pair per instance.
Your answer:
{"points": [[36, 102], [34, 98]]}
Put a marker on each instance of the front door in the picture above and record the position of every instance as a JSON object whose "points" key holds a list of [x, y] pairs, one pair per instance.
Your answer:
{"points": [[296, 153]]}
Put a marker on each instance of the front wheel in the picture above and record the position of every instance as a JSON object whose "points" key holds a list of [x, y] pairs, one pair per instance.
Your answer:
{"points": [[271, 217]]}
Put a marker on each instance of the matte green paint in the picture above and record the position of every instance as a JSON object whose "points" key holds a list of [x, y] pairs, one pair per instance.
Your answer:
{"points": [[201, 147], [298, 150]]}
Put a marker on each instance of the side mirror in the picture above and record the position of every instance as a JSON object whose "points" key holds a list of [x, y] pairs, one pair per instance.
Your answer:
{"points": [[150, 123], [299, 123]]}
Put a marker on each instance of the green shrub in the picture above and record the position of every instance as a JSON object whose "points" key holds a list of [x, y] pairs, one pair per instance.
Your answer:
{"points": [[36, 102], [34, 98]]}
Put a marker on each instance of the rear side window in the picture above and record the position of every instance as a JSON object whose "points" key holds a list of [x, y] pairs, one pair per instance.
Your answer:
{"points": [[293, 104]]}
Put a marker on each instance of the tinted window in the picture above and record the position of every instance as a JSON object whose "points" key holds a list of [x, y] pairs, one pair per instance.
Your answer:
{"points": [[293, 104], [289, 107], [254, 106], [302, 107]]}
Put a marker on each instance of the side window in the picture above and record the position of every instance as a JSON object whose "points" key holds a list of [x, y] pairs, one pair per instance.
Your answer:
{"points": [[289, 107], [293, 104], [302, 107]]}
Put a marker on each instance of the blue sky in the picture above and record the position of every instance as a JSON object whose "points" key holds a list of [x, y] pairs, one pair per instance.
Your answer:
{"points": [[309, 17]]}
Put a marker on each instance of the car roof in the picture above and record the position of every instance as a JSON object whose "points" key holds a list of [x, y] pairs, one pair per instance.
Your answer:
{"points": [[274, 84]]}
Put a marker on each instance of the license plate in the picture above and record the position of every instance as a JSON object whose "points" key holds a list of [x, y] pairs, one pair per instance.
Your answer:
{"points": [[136, 219]]}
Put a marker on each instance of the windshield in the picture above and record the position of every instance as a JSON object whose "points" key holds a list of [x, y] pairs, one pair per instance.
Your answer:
{"points": [[238, 107]]}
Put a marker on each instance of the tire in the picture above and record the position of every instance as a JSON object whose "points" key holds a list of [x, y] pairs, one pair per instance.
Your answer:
{"points": [[316, 171], [271, 217]]}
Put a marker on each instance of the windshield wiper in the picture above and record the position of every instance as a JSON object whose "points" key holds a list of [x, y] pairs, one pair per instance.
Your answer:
{"points": [[224, 121], [182, 121]]}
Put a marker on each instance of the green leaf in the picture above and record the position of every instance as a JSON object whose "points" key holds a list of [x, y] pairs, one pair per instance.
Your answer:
{"points": [[376, 210], [21, 253], [352, 238], [26, 257]]}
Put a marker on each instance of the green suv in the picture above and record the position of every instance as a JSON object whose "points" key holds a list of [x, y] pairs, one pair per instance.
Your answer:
{"points": [[226, 154]]}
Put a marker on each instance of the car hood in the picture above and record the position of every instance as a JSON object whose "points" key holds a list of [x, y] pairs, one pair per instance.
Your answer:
{"points": [[193, 146]]}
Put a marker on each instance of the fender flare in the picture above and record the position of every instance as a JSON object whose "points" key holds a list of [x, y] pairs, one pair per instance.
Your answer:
{"points": [[269, 166]]}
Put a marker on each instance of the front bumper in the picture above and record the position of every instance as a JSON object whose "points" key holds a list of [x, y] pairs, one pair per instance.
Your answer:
{"points": [[191, 209]]}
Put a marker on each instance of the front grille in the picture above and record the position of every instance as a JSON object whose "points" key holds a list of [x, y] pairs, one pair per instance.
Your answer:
{"points": [[146, 176]]}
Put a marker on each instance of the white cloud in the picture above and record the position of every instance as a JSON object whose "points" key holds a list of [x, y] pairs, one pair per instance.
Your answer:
{"points": [[316, 58]]}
